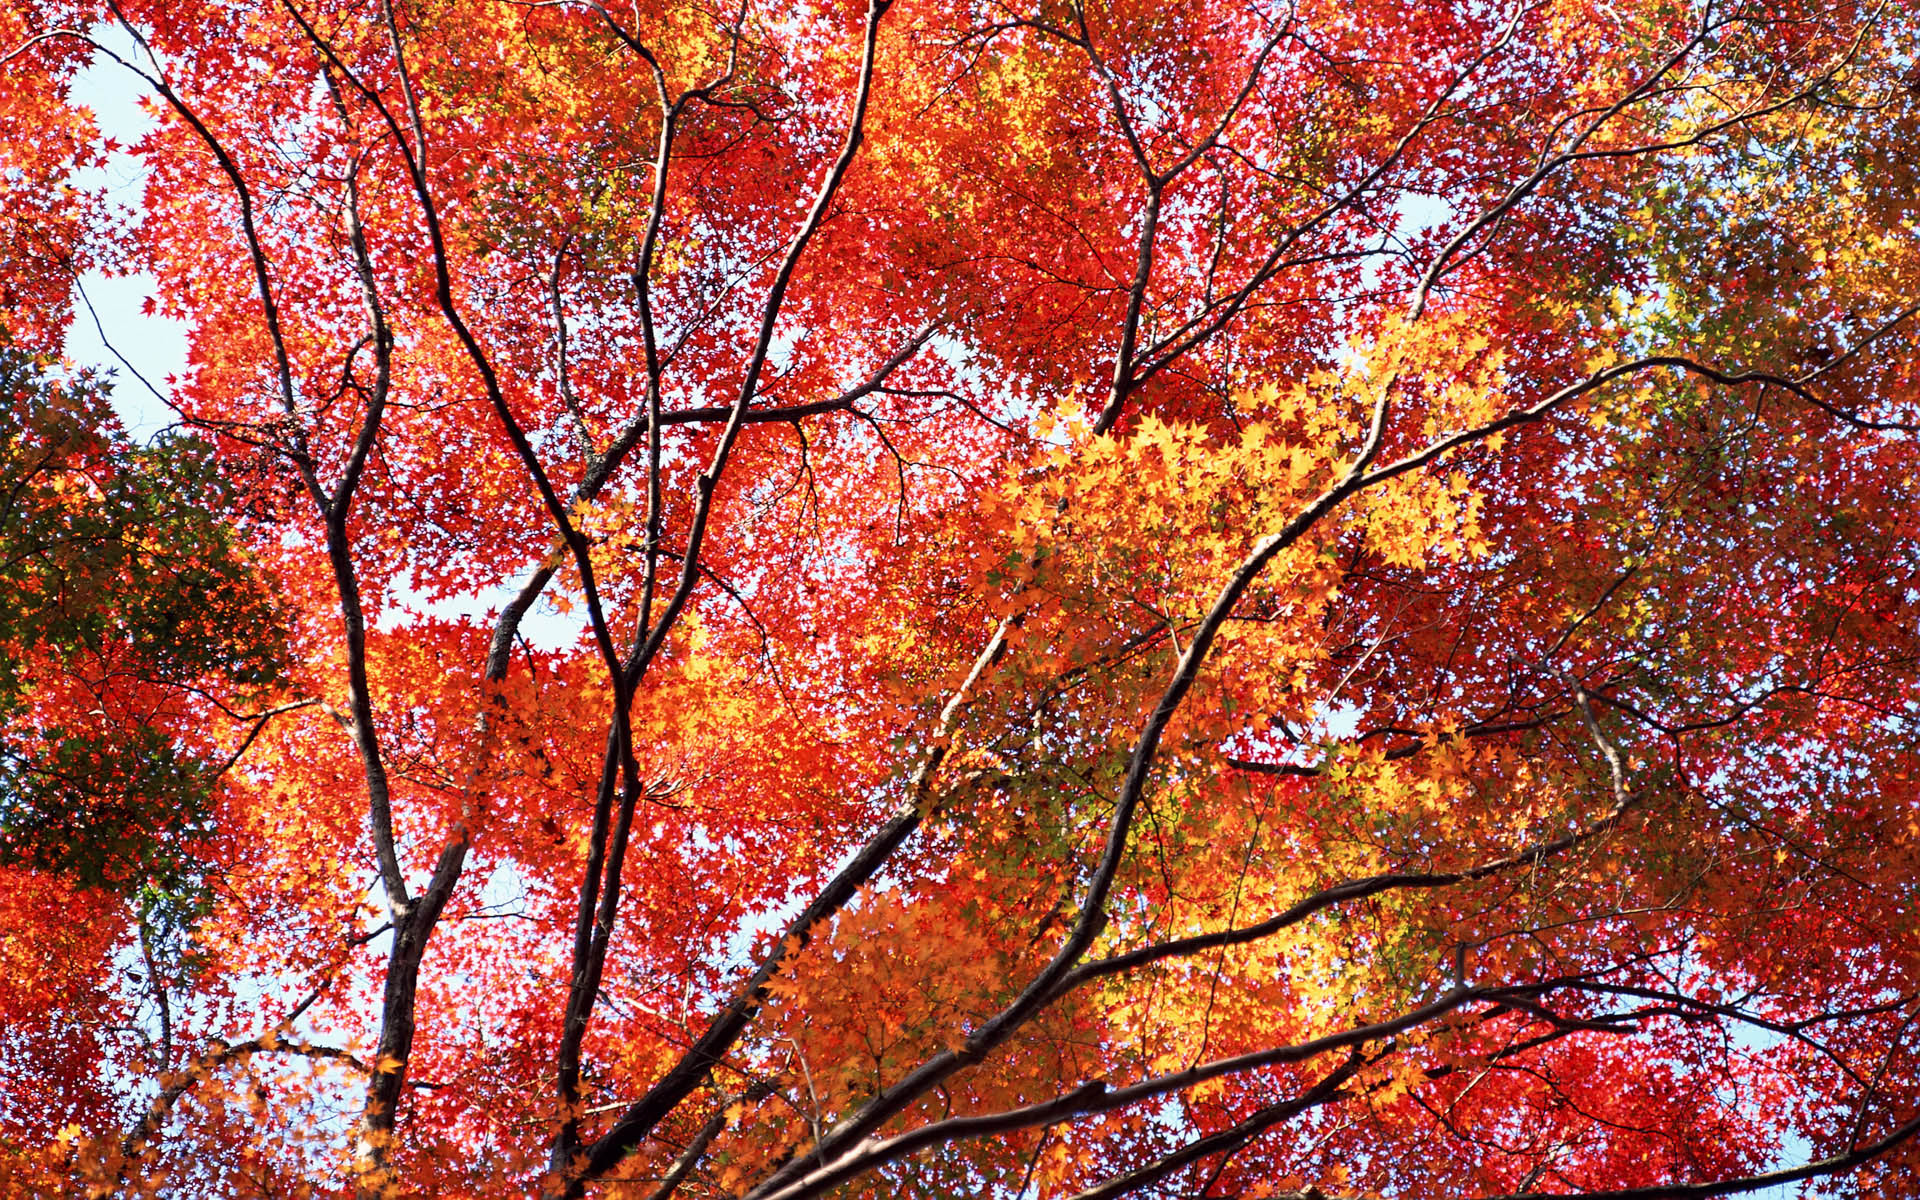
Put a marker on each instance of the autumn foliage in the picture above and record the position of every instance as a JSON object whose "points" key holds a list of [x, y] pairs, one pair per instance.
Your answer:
{"points": [[962, 597]]}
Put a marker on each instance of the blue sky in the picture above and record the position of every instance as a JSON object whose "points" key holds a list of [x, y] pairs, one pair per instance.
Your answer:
{"points": [[153, 346]]}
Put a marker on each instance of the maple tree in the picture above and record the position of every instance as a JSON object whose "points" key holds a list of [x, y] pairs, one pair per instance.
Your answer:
{"points": [[1069, 599]]}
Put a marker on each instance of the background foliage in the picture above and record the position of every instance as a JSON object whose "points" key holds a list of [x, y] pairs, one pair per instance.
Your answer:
{"points": [[963, 598]]}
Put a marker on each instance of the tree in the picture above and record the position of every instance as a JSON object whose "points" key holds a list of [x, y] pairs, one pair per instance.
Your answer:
{"points": [[978, 598], [126, 601]]}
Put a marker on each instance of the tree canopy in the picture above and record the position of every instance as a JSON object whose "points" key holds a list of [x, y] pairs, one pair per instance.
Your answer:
{"points": [[1027, 598]]}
